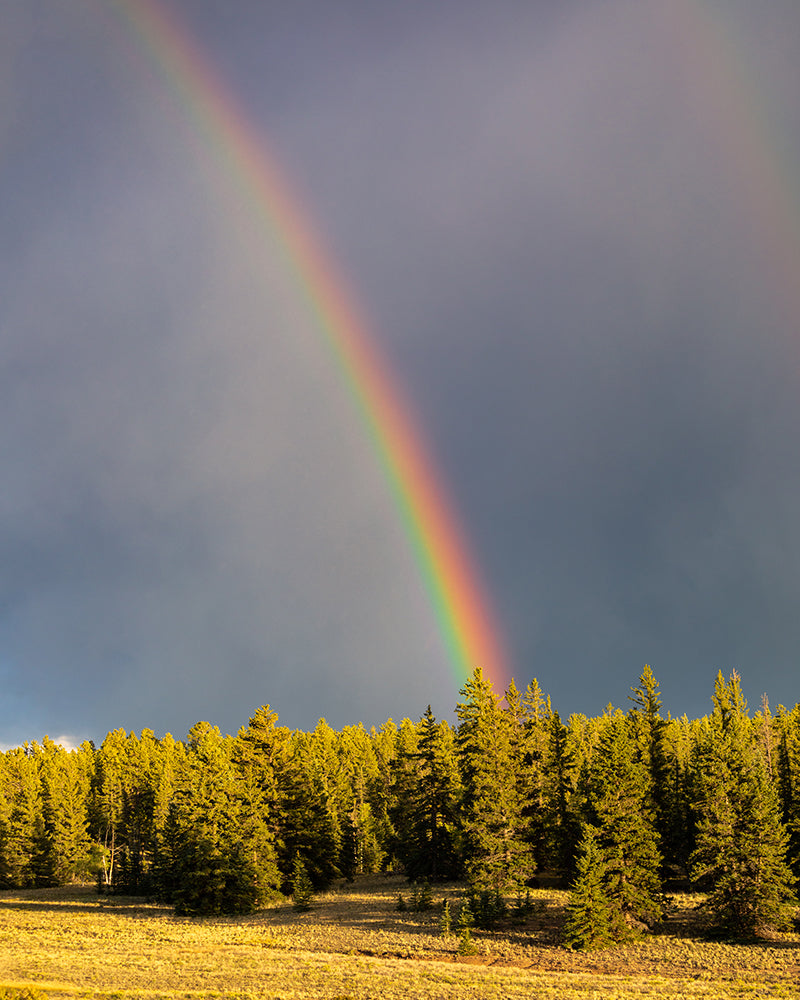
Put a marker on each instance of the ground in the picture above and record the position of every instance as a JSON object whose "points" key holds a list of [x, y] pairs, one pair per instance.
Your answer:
{"points": [[354, 944]]}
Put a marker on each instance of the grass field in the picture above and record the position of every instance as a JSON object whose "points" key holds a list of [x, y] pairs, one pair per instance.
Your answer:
{"points": [[64, 943]]}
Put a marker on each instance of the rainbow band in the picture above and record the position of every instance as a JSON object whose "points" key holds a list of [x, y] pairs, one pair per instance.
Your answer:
{"points": [[460, 608]]}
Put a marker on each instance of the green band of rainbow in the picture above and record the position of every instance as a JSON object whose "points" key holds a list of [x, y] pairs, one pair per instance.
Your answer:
{"points": [[461, 609]]}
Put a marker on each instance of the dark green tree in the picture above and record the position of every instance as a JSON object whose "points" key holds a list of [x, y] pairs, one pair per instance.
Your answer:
{"points": [[302, 889], [466, 921], [381, 787], [617, 807], [428, 849], [740, 858], [648, 730], [561, 824], [21, 819], [788, 780], [308, 825], [66, 848], [358, 803], [256, 754], [208, 863], [122, 809], [403, 789], [498, 854], [594, 918], [529, 715], [678, 796]]}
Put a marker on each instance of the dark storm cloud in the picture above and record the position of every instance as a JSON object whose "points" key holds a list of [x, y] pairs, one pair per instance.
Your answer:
{"points": [[540, 219], [192, 520], [584, 318]]}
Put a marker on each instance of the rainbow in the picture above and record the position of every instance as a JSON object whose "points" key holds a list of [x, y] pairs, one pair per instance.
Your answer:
{"points": [[460, 606]]}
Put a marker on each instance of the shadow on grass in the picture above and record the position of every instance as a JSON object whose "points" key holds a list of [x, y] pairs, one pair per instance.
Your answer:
{"points": [[78, 899]]}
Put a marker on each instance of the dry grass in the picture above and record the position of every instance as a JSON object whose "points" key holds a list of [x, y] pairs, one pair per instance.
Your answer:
{"points": [[354, 944]]}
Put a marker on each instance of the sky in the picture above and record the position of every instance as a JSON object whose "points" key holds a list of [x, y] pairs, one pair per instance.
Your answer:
{"points": [[574, 229]]}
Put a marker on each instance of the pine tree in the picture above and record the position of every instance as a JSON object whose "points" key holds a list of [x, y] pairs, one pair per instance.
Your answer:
{"points": [[594, 919], [209, 867], [498, 855], [678, 796], [741, 844], [648, 733], [617, 807], [302, 889], [446, 920], [403, 813], [561, 826], [65, 851], [168, 766], [385, 751], [256, 754], [530, 716], [466, 921], [788, 780], [122, 809], [21, 819], [308, 825], [358, 778], [427, 845], [139, 822]]}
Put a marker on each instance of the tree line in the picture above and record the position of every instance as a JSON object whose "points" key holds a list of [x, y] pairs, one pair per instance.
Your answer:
{"points": [[618, 807]]}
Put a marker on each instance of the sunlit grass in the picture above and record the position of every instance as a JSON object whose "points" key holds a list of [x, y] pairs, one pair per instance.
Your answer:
{"points": [[355, 944]]}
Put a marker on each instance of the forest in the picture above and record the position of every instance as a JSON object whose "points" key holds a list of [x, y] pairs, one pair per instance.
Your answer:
{"points": [[621, 809]]}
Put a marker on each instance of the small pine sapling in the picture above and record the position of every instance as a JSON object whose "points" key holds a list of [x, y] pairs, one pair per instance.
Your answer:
{"points": [[446, 919], [425, 901], [302, 890], [421, 897], [466, 920], [522, 908]]}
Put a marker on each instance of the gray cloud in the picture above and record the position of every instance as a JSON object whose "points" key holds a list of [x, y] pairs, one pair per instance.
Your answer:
{"points": [[561, 266]]}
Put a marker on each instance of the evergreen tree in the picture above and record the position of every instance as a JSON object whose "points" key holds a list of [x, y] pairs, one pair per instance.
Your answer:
{"points": [[648, 728], [466, 921], [617, 808], [594, 918], [428, 848], [21, 819], [530, 716], [66, 848], [498, 855], [308, 824], [168, 765], [362, 848], [384, 748], [139, 826], [256, 754], [741, 843], [446, 920], [402, 810], [209, 866], [678, 796], [302, 889], [561, 826], [788, 780], [107, 801]]}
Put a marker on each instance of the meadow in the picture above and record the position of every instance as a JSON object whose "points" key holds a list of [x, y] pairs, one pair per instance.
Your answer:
{"points": [[354, 944]]}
